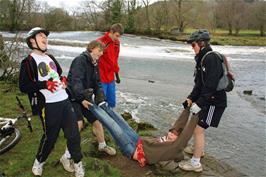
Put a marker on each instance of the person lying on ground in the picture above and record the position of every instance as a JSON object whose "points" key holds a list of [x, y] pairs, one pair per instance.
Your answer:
{"points": [[146, 150]]}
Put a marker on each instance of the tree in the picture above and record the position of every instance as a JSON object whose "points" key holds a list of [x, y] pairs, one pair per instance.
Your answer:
{"points": [[131, 16], [161, 15], [146, 6], [181, 21], [92, 14], [258, 19], [9, 57], [232, 14], [116, 11], [16, 9], [58, 19]]}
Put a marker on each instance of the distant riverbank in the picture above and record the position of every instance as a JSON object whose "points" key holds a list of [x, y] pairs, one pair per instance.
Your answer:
{"points": [[220, 38], [246, 38]]}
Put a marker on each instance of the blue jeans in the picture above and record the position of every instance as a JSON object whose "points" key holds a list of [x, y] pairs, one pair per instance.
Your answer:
{"points": [[109, 91], [125, 137]]}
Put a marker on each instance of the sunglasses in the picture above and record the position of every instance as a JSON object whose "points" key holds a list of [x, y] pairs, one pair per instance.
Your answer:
{"points": [[193, 44]]}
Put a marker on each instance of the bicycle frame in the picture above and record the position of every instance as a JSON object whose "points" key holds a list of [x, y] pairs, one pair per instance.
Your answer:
{"points": [[8, 130], [4, 121]]}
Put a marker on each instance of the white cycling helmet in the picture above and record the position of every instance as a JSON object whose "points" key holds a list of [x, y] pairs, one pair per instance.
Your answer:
{"points": [[32, 33]]}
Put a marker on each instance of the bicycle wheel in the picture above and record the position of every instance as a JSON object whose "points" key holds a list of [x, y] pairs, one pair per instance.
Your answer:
{"points": [[10, 141]]}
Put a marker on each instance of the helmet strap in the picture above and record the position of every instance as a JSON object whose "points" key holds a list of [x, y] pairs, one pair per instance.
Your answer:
{"points": [[38, 47]]}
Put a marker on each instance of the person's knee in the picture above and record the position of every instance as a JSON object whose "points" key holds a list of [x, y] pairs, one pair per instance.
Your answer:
{"points": [[97, 124]]}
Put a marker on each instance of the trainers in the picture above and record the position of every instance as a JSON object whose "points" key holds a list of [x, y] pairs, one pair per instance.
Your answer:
{"points": [[107, 149], [187, 166], [190, 150], [79, 170], [67, 163], [37, 168]]}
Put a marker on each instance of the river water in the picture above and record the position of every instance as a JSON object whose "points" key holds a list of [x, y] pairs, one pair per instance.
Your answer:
{"points": [[156, 77]]}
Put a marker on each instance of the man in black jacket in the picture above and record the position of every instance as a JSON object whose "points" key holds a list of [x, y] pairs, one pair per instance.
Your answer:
{"points": [[204, 99], [83, 75], [40, 77]]}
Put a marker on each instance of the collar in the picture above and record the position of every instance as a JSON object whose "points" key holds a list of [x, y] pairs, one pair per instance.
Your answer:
{"points": [[200, 55]]}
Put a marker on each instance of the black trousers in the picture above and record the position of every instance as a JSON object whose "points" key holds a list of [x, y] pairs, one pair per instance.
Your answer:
{"points": [[55, 116]]}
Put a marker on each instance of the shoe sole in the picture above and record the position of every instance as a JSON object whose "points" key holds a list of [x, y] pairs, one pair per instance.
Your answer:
{"points": [[196, 170], [193, 170]]}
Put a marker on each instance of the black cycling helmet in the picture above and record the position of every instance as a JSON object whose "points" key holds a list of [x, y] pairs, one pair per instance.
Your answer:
{"points": [[32, 33], [199, 35]]}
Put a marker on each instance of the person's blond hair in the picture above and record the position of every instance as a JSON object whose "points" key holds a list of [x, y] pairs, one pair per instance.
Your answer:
{"points": [[93, 44]]}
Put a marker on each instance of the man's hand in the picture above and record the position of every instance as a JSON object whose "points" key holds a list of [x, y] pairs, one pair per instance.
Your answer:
{"points": [[187, 103], [86, 104], [195, 108], [51, 85], [117, 78]]}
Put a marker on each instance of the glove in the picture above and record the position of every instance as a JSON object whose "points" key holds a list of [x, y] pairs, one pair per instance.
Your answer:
{"points": [[99, 97], [117, 78], [195, 108], [87, 93], [51, 85], [63, 79]]}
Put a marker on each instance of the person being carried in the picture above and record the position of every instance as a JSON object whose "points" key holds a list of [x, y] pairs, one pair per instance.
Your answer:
{"points": [[108, 62], [84, 74], [146, 150], [40, 77]]}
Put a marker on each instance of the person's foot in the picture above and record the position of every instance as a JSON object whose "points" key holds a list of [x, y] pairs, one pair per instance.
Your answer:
{"points": [[107, 149], [186, 165], [68, 164], [37, 168], [79, 169], [190, 150]]}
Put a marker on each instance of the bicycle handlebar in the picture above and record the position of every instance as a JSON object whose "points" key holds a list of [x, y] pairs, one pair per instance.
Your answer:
{"points": [[24, 114]]}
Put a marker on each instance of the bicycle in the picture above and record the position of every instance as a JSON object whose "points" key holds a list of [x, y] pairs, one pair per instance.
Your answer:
{"points": [[9, 134]]}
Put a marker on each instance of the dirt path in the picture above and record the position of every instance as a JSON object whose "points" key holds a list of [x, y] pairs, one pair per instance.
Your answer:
{"points": [[212, 167]]}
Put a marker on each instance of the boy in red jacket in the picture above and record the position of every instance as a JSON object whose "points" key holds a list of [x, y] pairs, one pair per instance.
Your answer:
{"points": [[108, 62]]}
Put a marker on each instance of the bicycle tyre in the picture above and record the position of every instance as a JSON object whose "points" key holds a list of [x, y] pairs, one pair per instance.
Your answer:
{"points": [[13, 140]]}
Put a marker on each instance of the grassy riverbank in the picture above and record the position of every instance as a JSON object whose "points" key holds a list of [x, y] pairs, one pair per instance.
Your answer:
{"points": [[18, 161], [219, 37]]}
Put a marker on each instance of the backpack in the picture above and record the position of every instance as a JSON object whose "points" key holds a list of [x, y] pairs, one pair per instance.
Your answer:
{"points": [[227, 81]]}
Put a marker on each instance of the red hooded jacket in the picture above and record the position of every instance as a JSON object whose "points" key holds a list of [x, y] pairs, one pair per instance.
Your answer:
{"points": [[108, 62]]}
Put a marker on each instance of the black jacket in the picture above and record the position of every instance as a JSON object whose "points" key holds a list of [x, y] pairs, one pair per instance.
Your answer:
{"points": [[29, 83], [83, 75], [204, 92]]}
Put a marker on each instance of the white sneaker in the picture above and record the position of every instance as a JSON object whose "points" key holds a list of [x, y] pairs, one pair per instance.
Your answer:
{"points": [[79, 170], [108, 150], [68, 164], [186, 165], [37, 168]]}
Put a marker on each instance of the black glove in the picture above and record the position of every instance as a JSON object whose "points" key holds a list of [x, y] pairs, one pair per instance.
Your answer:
{"points": [[99, 97], [87, 93], [185, 104], [117, 78]]}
